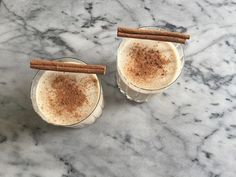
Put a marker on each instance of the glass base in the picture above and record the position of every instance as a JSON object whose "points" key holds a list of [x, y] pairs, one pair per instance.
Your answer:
{"points": [[130, 93]]}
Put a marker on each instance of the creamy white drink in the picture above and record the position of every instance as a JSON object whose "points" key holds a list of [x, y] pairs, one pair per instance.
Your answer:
{"points": [[67, 99], [146, 67]]}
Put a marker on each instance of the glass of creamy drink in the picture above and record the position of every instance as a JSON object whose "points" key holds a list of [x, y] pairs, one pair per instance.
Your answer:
{"points": [[147, 67], [67, 99]]}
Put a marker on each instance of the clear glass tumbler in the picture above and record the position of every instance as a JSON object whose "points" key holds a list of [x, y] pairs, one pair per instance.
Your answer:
{"points": [[95, 113], [138, 94]]}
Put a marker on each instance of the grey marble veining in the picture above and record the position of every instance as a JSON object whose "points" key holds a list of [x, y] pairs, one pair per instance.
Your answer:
{"points": [[188, 131]]}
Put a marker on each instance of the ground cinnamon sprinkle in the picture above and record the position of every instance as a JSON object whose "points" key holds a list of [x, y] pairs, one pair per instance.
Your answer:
{"points": [[67, 95], [145, 62], [88, 81]]}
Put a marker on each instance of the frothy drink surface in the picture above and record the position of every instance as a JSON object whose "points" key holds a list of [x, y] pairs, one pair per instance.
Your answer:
{"points": [[148, 64], [66, 98]]}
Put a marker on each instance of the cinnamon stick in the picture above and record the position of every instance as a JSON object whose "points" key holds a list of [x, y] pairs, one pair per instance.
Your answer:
{"points": [[152, 32], [67, 67], [152, 37]]}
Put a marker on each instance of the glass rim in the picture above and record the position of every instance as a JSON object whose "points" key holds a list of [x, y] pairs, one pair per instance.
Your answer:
{"points": [[145, 89], [34, 102]]}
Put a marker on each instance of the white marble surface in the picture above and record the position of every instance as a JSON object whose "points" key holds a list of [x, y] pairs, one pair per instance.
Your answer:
{"points": [[188, 131]]}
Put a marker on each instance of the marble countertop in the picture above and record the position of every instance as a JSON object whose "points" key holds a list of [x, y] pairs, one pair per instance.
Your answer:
{"points": [[188, 131]]}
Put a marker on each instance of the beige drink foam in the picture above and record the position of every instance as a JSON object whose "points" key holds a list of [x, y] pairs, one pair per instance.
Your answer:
{"points": [[67, 98], [148, 64]]}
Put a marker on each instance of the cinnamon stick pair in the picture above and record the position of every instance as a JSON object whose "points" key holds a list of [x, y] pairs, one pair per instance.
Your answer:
{"points": [[152, 34], [67, 67], [139, 33]]}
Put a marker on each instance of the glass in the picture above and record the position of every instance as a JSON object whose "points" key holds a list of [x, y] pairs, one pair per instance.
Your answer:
{"points": [[138, 94], [97, 111]]}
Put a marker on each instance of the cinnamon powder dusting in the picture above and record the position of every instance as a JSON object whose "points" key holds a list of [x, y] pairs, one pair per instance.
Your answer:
{"points": [[67, 95], [145, 62]]}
